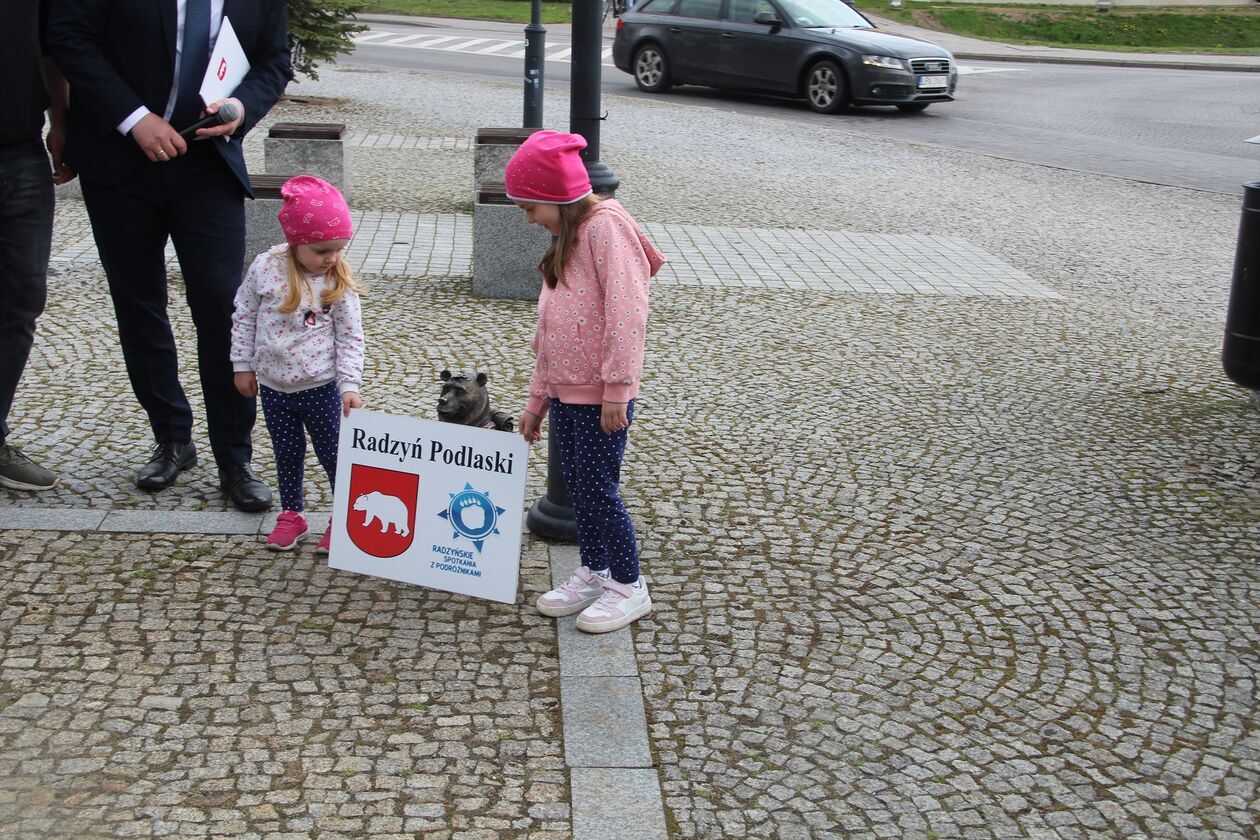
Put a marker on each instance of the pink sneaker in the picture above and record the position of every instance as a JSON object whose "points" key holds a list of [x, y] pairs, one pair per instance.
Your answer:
{"points": [[325, 542], [620, 604], [290, 527], [574, 595]]}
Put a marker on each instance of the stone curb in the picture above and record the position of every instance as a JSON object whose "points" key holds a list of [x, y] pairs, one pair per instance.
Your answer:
{"points": [[1109, 62], [615, 790]]}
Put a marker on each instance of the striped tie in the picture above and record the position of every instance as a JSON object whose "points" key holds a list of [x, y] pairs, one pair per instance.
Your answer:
{"points": [[194, 56]]}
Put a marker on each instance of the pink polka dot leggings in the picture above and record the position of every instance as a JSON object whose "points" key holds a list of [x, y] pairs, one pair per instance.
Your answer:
{"points": [[319, 411], [590, 462]]}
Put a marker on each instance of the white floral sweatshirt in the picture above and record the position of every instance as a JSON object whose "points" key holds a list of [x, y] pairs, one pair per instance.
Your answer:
{"points": [[303, 349]]}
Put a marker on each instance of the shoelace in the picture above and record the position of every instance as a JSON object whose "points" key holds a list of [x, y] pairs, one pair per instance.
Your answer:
{"points": [[572, 586], [608, 600], [14, 456]]}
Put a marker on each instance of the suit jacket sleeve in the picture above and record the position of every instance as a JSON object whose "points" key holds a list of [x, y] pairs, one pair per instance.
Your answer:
{"points": [[76, 32], [270, 66]]}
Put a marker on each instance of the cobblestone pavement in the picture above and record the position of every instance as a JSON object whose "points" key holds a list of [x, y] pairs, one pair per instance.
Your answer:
{"points": [[923, 565]]}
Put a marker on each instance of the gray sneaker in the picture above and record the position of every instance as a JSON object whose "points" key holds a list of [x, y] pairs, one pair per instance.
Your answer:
{"points": [[18, 472]]}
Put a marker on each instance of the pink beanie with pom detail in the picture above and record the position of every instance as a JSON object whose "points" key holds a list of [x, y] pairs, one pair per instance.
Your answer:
{"points": [[313, 210], [547, 169]]}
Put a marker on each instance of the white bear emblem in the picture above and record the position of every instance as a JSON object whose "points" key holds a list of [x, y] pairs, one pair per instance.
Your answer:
{"points": [[390, 510]]}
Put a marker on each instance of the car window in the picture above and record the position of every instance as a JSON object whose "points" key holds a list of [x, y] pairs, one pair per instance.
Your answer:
{"points": [[828, 13], [655, 7], [744, 11], [707, 9]]}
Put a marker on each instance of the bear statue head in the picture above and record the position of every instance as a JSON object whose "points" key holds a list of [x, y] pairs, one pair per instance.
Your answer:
{"points": [[465, 400]]}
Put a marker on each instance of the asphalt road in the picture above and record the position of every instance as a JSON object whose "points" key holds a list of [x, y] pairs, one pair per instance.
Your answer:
{"points": [[1182, 128]]}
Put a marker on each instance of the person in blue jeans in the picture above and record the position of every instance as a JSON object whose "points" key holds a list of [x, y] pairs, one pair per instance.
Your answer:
{"points": [[32, 85]]}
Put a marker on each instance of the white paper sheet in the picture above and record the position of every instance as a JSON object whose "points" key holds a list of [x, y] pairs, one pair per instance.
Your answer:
{"points": [[228, 66]]}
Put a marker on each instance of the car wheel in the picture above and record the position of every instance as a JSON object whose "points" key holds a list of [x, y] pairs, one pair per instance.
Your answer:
{"points": [[826, 88], [651, 69], [913, 107]]}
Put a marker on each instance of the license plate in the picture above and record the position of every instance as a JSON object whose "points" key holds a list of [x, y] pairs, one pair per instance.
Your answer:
{"points": [[933, 81]]}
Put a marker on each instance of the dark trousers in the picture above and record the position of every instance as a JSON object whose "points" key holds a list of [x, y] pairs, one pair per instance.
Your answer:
{"points": [[26, 216], [196, 202], [590, 462], [318, 411]]}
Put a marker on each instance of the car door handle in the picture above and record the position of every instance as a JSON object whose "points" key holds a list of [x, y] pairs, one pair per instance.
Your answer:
{"points": [[728, 35], [674, 30]]}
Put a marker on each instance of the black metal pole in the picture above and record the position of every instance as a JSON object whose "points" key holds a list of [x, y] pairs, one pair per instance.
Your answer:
{"points": [[585, 112], [552, 515], [535, 42], [1241, 353]]}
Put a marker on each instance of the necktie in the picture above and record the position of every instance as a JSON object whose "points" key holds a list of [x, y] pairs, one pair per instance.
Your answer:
{"points": [[194, 56]]}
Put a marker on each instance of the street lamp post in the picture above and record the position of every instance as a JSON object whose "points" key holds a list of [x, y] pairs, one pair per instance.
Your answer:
{"points": [[535, 42], [585, 113]]}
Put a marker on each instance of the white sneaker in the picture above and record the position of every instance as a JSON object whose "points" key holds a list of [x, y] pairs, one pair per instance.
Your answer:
{"points": [[620, 604], [576, 594]]}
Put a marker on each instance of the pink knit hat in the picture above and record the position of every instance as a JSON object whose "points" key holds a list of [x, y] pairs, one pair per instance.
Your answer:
{"points": [[313, 211], [547, 169]]}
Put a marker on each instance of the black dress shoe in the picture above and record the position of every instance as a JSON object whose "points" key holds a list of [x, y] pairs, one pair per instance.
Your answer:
{"points": [[246, 490], [168, 461]]}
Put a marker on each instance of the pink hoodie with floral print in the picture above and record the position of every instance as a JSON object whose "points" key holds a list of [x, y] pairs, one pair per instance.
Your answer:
{"points": [[589, 343]]}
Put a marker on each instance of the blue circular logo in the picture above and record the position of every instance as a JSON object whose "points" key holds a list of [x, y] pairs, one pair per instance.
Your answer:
{"points": [[472, 515]]}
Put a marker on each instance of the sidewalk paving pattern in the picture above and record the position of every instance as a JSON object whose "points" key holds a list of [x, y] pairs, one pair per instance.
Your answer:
{"points": [[949, 515]]}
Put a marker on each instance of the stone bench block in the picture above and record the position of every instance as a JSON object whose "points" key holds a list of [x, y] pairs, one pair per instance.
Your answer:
{"points": [[309, 149], [506, 249], [493, 148]]}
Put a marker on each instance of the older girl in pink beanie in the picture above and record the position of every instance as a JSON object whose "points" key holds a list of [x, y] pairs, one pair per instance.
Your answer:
{"points": [[297, 342], [588, 348]]}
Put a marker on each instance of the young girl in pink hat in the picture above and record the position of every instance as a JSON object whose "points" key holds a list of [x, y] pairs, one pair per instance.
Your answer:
{"points": [[588, 347], [297, 342]]}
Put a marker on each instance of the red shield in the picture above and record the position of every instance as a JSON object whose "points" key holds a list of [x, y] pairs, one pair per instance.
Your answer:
{"points": [[382, 510]]}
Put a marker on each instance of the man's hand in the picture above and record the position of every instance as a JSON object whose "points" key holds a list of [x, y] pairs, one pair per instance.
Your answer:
{"points": [[226, 128], [246, 381], [531, 426], [349, 400], [56, 143], [157, 139]]}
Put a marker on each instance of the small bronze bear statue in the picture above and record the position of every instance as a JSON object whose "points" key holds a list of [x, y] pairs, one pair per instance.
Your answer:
{"points": [[465, 400]]}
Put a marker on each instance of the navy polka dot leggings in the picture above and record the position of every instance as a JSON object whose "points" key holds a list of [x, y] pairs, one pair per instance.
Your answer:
{"points": [[590, 462], [319, 410]]}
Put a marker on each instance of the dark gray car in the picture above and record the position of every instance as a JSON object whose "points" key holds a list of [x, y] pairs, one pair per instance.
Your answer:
{"points": [[823, 51]]}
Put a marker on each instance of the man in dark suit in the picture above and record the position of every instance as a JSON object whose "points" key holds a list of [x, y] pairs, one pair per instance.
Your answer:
{"points": [[135, 69]]}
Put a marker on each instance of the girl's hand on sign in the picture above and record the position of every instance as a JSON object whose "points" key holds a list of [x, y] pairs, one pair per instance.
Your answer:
{"points": [[612, 418], [349, 400], [246, 381], [531, 426]]}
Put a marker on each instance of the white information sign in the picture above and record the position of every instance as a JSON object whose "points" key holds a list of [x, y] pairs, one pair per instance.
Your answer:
{"points": [[436, 504]]}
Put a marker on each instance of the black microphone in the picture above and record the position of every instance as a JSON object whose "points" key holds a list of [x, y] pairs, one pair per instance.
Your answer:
{"points": [[228, 112]]}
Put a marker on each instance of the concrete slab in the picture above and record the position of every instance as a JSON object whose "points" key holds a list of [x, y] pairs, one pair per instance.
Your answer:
{"points": [[604, 722], [50, 519], [182, 522], [587, 654], [614, 802], [595, 655]]}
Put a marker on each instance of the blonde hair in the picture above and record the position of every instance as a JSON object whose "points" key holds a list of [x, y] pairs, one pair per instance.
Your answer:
{"points": [[557, 256], [339, 274]]}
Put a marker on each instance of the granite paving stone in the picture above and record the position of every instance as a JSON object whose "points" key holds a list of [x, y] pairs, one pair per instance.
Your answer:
{"points": [[948, 513]]}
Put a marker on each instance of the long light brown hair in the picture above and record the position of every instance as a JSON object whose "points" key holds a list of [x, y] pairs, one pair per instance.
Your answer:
{"points": [[339, 274], [557, 256]]}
